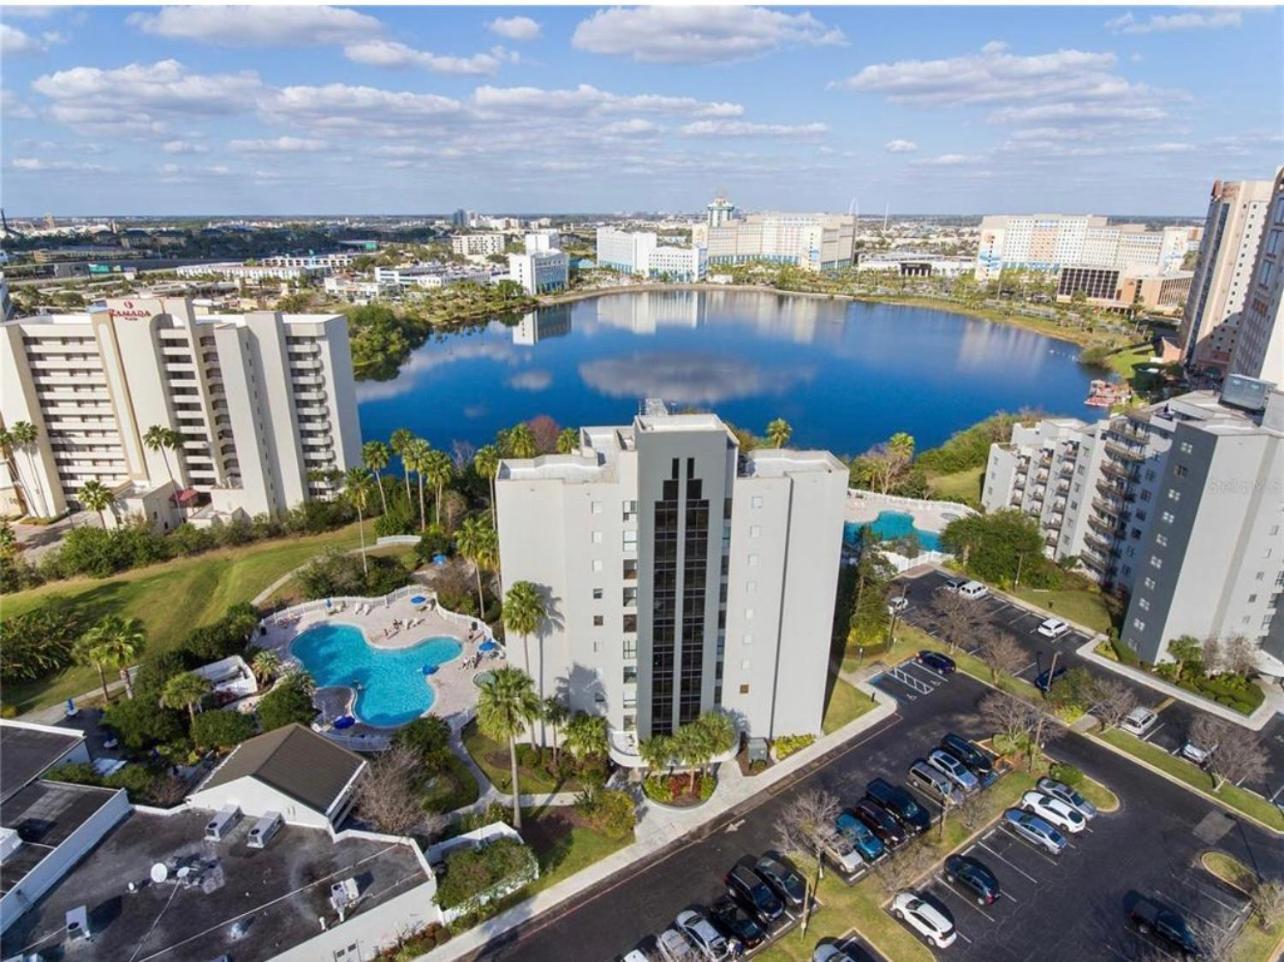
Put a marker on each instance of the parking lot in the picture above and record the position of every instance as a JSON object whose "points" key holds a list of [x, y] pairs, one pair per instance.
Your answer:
{"points": [[1175, 716], [1066, 909]]}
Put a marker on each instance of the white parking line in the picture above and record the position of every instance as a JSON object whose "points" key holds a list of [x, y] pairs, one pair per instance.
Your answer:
{"points": [[1214, 895], [1153, 732], [1008, 863], [1278, 792], [1033, 664], [1185, 909], [962, 898]]}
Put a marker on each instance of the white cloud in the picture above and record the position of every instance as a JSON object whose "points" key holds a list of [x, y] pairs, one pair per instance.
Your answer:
{"points": [[15, 42], [183, 147], [698, 35], [946, 160], [278, 145], [744, 128], [390, 53], [589, 99], [534, 379], [1078, 113], [900, 146], [636, 127], [73, 166], [1166, 23], [515, 28], [246, 26], [344, 105], [12, 108]]}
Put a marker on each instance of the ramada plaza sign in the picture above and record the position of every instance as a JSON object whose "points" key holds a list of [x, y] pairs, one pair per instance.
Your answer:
{"points": [[134, 310]]}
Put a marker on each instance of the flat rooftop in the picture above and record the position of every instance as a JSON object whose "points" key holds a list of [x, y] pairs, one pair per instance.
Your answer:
{"points": [[45, 814], [278, 893], [782, 462], [26, 753]]}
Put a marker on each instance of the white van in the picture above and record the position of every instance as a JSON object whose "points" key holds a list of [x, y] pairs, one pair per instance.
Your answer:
{"points": [[221, 825], [974, 590], [264, 829]]}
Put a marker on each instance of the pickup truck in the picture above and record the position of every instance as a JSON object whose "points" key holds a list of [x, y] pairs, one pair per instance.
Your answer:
{"points": [[1165, 926]]}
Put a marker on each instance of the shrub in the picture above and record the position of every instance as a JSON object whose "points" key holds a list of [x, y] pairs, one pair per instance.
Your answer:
{"points": [[398, 520], [77, 773], [611, 812], [529, 756], [472, 872], [38, 642], [227, 636], [290, 701], [221, 729], [410, 947], [157, 668], [140, 722], [189, 540], [1066, 773], [433, 541], [494, 812], [428, 737], [786, 745], [336, 573]]}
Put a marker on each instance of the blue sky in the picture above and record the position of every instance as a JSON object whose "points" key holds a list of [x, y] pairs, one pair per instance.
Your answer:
{"points": [[408, 110]]}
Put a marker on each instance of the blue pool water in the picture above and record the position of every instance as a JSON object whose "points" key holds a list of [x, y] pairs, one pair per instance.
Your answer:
{"points": [[393, 689], [890, 525]]}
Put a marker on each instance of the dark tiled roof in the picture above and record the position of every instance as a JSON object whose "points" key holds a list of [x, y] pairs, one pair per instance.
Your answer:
{"points": [[295, 761], [25, 754]]}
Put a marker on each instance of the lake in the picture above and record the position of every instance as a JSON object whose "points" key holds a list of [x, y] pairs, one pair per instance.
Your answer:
{"points": [[845, 374]]}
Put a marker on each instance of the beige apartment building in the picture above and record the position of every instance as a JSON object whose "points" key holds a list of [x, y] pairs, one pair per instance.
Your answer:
{"points": [[260, 402], [1237, 210], [813, 242], [1052, 242], [1259, 346]]}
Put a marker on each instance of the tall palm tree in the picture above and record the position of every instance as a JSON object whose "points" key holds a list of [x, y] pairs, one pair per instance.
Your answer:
{"points": [[521, 442], [656, 752], [506, 705], [779, 432], [439, 469], [23, 437], [356, 488], [486, 463], [376, 455], [477, 542], [568, 439], [121, 642], [185, 690], [524, 610], [94, 495], [416, 458], [11, 465], [691, 745], [555, 714], [400, 443], [87, 651], [162, 439], [586, 736]]}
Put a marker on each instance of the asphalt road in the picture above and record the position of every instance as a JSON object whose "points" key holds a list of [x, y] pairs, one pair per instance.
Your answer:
{"points": [[1068, 910], [1174, 720]]}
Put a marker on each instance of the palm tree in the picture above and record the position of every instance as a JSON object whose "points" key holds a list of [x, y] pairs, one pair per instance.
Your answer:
{"points": [[400, 442], [376, 455], [477, 542], [521, 442], [692, 745], [656, 752], [524, 611], [185, 690], [8, 540], [555, 714], [120, 642], [416, 458], [265, 665], [586, 736], [568, 439], [160, 438], [356, 488], [439, 469], [779, 432], [11, 464], [486, 463], [95, 496], [23, 437], [506, 705], [87, 651], [720, 729]]}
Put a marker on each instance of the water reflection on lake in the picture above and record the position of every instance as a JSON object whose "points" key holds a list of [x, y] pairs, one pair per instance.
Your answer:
{"points": [[845, 374]]}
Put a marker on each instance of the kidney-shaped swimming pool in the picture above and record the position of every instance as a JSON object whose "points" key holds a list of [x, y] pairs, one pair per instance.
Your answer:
{"points": [[391, 683]]}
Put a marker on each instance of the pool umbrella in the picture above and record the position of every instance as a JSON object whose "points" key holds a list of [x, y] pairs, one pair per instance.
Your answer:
{"points": [[487, 646], [430, 669]]}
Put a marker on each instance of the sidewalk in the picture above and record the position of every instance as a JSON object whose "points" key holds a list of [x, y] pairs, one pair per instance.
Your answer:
{"points": [[658, 828]]}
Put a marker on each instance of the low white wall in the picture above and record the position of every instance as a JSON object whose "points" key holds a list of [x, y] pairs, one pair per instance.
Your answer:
{"points": [[370, 931]]}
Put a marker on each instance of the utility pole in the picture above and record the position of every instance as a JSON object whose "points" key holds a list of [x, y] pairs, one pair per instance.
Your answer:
{"points": [[1038, 728], [1020, 558]]}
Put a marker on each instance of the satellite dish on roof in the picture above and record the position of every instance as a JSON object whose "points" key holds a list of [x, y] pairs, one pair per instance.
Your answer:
{"points": [[159, 872]]}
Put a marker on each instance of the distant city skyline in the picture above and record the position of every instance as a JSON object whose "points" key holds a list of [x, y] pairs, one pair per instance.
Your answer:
{"points": [[327, 110]]}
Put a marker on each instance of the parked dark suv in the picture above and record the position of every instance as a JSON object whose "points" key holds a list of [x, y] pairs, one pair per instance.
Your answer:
{"points": [[900, 803], [880, 821], [968, 754], [748, 887], [1165, 925], [972, 875], [787, 883]]}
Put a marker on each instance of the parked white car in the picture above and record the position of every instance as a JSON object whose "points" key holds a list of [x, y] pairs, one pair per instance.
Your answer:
{"points": [[703, 935], [674, 946], [1054, 811], [1197, 753], [895, 606], [925, 919], [1139, 721], [1053, 628], [974, 591], [1068, 795]]}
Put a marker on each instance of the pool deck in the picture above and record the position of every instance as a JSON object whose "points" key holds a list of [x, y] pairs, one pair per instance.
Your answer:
{"points": [[864, 507], [455, 695]]}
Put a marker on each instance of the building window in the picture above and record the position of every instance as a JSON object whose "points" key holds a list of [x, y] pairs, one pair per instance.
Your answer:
{"points": [[1143, 604], [1139, 624], [630, 623], [756, 501], [630, 510], [744, 689], [1252, 598], [598, 621], [1186, 447], [1181, 471], [1167, 517], [1156, 562], [630, 541], [1161, 541], [630, 569], [597, 564], [748, 639], [596, 507], [755, 530], [597, 537], [630, 649], [748, 614], [1150, 583], [744, 664], [751, 587], [1174, 494], [597, 594], [630, 597], [630, 674], [753, 561]]}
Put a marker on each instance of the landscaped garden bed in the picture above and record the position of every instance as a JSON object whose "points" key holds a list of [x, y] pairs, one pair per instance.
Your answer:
{"points": [[680, 789]]}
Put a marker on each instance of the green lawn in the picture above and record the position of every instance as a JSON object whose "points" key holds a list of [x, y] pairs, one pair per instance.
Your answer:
{"points": [[171, 599], [1086, 606], [451, 789], [1255, 943], [563, 845], [1192, 775], [846, 704], [961, 485], [1124, 361], [493, 759]]}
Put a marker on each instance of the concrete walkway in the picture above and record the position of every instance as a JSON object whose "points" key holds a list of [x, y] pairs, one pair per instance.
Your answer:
{"points": [[658, 828]]}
